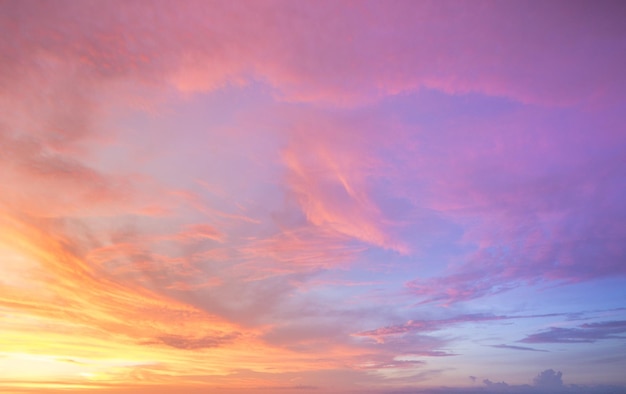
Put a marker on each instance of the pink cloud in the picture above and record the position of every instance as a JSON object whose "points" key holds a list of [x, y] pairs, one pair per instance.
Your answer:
{"points": [[201, 231], [412, 326], [329, 180], [298, 250], [333, 52]]}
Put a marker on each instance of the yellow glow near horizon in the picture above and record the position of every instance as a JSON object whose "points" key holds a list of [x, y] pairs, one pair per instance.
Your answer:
{"points": [[81, 329]]}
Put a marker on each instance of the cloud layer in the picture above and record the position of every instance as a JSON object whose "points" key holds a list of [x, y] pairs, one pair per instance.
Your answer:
{"points": [[314, 195]]}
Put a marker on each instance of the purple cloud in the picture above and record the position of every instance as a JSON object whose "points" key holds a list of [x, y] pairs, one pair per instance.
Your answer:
{"points": [[585, 333], [513, 347], [549, 379]]}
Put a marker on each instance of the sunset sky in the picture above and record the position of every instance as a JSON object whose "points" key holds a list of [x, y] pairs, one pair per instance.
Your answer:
{"points": [[324, 197]]}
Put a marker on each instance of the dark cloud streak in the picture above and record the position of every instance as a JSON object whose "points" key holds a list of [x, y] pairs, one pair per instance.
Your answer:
{"points": [[585, 333]]}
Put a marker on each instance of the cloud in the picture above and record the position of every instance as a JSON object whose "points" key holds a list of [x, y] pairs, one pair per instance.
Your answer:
{"points": [[585, 333], [426, 325], [495, 385], [330, 176], [294, 47], [549, 379], [392, 364], [513, 347], [182, 176], [187, 343], [201, 231], [546, 382], [434, 325], [523, 224], [300, 249]]}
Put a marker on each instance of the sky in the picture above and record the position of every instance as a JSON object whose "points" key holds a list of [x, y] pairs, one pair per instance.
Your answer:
{"points": [[330, 197]]}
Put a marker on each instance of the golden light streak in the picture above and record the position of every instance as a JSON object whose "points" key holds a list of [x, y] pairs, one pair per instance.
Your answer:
{"points": [[68, 324]]}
